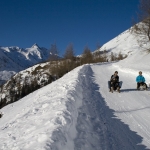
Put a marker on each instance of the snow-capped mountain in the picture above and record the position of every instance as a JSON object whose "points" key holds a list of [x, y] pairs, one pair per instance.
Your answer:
{"points": [[14, 59], [77, 111]]}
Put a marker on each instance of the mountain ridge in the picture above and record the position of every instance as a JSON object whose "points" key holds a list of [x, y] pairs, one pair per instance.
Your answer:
{"points": [[14, 59]]}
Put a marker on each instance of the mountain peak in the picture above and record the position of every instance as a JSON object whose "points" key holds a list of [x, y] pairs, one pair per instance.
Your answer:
{"points": [[35, 46]]}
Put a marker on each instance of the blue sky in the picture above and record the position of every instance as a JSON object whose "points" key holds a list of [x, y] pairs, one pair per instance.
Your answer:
{"points": [[81, 22]]}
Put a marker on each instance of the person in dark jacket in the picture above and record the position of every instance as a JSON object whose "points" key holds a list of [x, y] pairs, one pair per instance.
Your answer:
{"points": [[140, 80], [114, 82]]}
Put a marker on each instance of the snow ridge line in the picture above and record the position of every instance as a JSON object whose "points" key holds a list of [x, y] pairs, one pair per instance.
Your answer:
{"points": [[44, 119], [64, 136], [74, 103]]}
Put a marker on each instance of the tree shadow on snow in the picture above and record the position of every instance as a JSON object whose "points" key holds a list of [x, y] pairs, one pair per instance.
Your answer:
{"points": [[98, 128]]}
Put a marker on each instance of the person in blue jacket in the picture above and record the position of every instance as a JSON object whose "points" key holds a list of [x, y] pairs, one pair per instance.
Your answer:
{"points": [[140, 80]]}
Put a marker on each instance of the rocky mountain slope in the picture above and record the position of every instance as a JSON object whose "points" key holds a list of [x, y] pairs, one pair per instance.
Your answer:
{"points": [[25, 82], [14, 59]]}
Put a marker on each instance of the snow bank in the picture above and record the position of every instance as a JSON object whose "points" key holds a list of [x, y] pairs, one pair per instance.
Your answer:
{"points": [[45, 119]]}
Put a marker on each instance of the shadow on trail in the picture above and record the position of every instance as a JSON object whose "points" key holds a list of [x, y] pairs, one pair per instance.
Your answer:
{"points": [[128, 90], [131, 90], [133, 110], [97, 126]]}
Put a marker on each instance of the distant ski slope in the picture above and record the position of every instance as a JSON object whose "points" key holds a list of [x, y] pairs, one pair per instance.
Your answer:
{"points": [[78, 112]]}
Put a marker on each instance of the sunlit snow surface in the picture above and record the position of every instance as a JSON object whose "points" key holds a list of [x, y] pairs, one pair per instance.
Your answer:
{"points": [[77, 112]]}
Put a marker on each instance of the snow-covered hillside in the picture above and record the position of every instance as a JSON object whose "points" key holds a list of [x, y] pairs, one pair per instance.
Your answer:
{"points": [[25, 82], [77, 111], [15, 59], [132, 45]]}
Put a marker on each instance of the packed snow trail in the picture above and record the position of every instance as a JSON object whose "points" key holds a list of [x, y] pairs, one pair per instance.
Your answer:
{"points": [[97, 126], [131, 106], [77, 112]]}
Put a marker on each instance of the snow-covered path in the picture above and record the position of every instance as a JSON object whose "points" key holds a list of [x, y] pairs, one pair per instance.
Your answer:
{"points": [[78, 113], [131, 106], [99, 127]]}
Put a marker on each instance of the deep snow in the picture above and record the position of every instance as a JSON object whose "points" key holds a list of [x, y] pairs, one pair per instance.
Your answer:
{"points": [[77, 112]]}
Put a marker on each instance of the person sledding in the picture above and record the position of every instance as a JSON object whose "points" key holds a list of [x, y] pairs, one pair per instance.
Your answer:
{"points": [[141, 81], [114, 82]]}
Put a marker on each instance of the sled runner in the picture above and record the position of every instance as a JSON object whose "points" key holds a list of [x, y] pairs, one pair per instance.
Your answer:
{"points": [[142, 87], [117, 88]]}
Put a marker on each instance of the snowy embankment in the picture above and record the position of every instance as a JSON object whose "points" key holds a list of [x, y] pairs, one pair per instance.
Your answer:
{"points": [[77, 112], [46, 118]]}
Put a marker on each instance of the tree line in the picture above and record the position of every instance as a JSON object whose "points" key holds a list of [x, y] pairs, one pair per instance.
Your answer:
{"points": [[61, 66]]}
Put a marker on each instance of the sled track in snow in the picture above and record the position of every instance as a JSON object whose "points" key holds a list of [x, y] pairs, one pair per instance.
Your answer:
{"points": [[97, 126]]}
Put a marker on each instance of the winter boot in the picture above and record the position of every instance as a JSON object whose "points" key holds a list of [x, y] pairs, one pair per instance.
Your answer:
{"points": [[112, 89], [118, 89]]}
